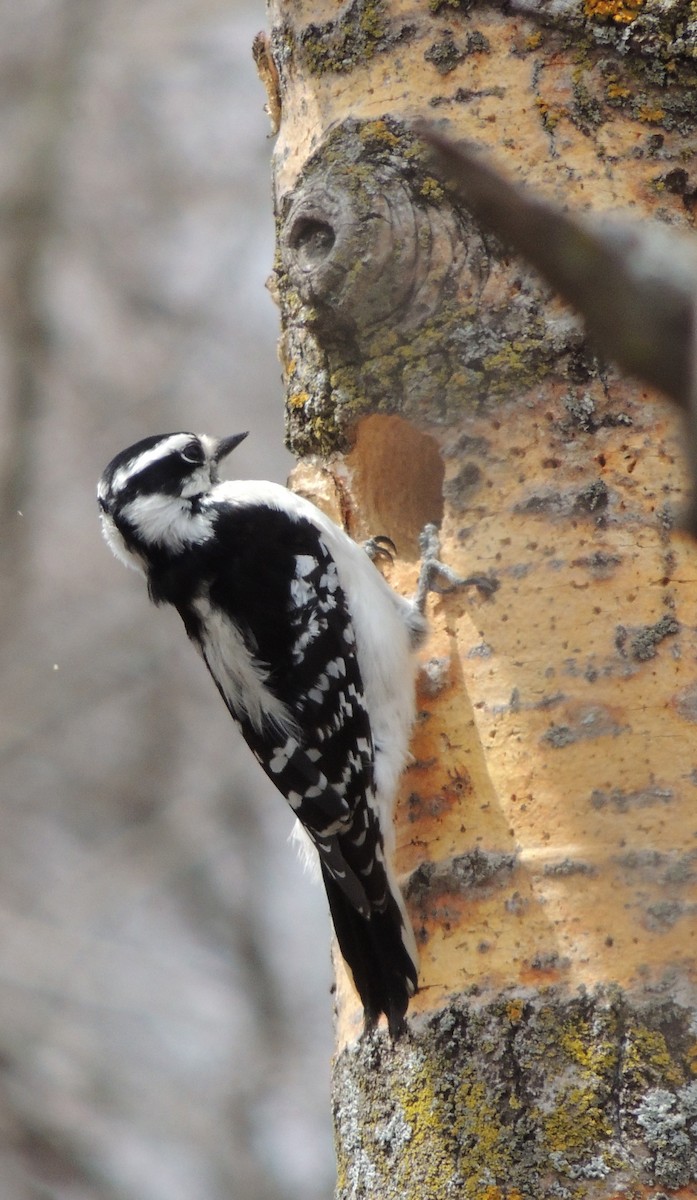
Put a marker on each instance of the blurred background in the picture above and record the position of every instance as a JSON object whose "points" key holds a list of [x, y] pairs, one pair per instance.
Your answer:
{"points": [[165, 1017]]}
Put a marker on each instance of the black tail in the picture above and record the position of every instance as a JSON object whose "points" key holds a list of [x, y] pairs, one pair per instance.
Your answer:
{"points": [[380, 953]]}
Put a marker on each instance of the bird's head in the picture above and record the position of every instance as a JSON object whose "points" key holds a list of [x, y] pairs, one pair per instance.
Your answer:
{"points": [[147, 495]]}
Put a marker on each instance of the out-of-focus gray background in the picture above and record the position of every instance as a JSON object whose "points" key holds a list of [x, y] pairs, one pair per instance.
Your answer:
{"points": [[164, 965]]}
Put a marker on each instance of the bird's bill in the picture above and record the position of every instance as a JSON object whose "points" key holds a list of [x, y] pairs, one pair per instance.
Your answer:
{"points": [[226, 445]]}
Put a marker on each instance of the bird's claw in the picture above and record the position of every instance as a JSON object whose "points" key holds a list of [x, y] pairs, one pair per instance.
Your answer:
{"points": [[380, 546]]}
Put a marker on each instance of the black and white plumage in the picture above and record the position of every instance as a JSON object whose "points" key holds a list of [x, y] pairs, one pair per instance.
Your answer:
{"points": [[311, 651]]}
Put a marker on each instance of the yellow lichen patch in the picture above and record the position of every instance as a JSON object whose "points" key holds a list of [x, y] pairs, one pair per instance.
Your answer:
{"points": [[587, 1048], [648, 1059], [431, 189], [430, 1152], [379, 131], [514, 1010], [478, 1130], [616, 91], [650, 113], [464, 1128], [578, 1123], [622, 12], [550, 118], [298, 399], [478, 1107]]}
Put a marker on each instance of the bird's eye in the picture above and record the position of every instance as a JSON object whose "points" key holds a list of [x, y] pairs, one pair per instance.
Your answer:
{"points": [[193, 453]]}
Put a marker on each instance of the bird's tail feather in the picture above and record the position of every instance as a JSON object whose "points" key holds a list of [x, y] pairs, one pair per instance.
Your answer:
{"points": [[380, 952]]}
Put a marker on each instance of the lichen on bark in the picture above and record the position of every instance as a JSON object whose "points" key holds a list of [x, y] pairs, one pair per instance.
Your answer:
{"points": [[392, 301], [522, 1097], [362, 28]]}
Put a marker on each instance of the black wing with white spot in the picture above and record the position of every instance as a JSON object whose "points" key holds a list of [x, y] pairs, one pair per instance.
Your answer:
{"points": [[293, 661], [322, 760]]}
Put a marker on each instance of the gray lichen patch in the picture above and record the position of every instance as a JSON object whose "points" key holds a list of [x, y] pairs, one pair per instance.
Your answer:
{"points": [[592, 721], [434, 676], [686, 703], [641, 644], [668, 1122], [601, 563], [448, 7], [668, 869], [592, 498], [475, 869], [625, 801], [658, 39], [589, 501], [525, 1096], [568, 866], [664, 914], [460, 489]]}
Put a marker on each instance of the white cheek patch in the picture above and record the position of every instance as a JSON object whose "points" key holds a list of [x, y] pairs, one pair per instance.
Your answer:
{"points": [[165, 521], [116, 544], [198, 483]]}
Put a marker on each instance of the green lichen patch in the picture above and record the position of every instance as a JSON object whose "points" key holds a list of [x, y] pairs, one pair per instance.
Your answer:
{"points": [[362, 30], [519, 1098], [448, 7], [649, 77], [653, 1055], [444, 54]]}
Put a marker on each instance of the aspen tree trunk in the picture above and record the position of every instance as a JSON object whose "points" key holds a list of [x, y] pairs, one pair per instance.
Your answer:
{"points": [[548, 827]]}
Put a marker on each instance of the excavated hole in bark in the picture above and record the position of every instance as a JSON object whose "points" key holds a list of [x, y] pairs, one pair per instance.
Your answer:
{"points": [[398, 480], [312, 240]]}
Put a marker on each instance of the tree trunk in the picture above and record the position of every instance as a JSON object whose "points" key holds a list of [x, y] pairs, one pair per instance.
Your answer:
{"points": [[546, 829]]}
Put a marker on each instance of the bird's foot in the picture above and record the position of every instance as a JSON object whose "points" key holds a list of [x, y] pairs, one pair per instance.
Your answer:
{"points": [[380, 546], [436, 576]]}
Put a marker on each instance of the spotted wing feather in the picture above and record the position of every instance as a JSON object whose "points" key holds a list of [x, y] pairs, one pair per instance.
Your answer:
{"points": [[293, 647]]}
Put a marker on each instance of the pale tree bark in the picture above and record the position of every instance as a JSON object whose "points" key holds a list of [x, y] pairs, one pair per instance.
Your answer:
{"points": [[546, 829]]}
